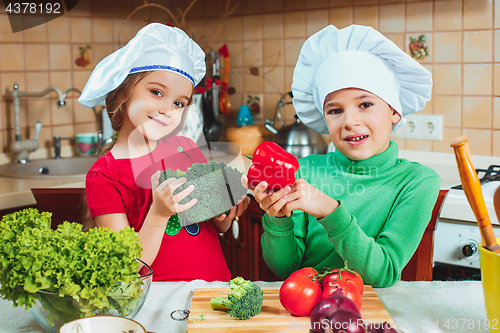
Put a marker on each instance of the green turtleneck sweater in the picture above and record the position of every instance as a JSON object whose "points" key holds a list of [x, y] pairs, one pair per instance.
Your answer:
{"points": [[385, 205]]}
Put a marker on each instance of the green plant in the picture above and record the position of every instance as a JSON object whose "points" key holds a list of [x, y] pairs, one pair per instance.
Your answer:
{"points": [[243, 302], [97, 269]]}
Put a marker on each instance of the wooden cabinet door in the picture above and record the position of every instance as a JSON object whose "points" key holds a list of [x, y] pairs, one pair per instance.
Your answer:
{"points": [[227, 248], [239, 232], [242, 248], [257, 263], [65, 203]]}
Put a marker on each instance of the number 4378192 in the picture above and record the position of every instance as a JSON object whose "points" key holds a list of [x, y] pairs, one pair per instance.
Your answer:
{"points": [[471, 324], [33, 8]]}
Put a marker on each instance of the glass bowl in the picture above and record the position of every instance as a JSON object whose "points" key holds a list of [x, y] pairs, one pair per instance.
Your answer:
{"points": [[51, 311]]}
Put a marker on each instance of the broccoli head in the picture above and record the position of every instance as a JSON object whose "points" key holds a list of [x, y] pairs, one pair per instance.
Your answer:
{"points": [[217, 187], [243, 302]]}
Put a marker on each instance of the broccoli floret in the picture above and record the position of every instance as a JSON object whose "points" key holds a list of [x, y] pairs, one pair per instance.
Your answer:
{"points": [[217, 187], [243, 302]]}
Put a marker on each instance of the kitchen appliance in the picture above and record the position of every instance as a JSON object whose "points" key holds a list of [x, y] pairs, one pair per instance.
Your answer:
{"points": [[298, 139], [457, 234]]}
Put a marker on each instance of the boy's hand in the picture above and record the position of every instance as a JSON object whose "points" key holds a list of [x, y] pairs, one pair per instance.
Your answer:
{"points": [[309, 199], [164, 202], [270, 202]]}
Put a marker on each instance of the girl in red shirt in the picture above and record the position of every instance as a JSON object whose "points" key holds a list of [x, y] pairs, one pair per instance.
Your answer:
{"points": [[146, 87]]}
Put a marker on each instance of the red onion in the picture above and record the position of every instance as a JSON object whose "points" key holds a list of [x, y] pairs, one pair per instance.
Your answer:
{"points": [[327, 307], [345, 303], [344, 321]]}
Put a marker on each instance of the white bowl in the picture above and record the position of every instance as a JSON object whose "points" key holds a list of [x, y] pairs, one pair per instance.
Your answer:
{"points": [[102, 324]]}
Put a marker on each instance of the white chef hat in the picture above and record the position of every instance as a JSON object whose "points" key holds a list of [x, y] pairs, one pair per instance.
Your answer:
{"points": [[356, 57], [155, 47]]}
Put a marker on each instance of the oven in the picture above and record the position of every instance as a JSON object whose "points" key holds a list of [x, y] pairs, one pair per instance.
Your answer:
{"points": [[457, 235]]}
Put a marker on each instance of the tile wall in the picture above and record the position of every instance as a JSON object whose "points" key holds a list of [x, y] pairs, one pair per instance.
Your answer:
{"points": [[45, 55], [462, 39]]}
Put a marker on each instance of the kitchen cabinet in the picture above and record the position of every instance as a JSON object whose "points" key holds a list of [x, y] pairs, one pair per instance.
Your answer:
{"points": [[8, 211], [65, 204], [419, 268], [242, 248]]}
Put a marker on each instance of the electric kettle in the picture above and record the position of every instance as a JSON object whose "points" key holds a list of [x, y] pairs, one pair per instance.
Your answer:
{"points": [[297, 139]]}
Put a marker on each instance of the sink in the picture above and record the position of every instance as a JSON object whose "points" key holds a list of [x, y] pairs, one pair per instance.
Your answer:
{"points": [[73, 167]]}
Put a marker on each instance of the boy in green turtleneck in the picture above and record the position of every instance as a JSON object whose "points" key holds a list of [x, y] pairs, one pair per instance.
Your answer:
{"points": [[360, 204]]}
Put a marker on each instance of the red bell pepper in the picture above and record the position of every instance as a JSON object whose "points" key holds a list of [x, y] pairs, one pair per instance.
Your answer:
{"points": [[272, 164]]}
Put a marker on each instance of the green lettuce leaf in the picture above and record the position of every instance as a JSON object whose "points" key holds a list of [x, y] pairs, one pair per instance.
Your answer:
{"points": [[92, 272]]}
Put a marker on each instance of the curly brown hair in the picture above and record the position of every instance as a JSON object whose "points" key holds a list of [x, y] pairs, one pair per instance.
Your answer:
{"points": [[115, 106]]}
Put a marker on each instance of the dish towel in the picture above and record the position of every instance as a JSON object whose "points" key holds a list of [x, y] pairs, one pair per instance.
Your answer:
{"points": [[436, 306]]}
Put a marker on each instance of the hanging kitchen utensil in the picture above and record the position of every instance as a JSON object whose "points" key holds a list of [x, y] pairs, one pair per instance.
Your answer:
{"points": [[472, 189], [224, 100], [212, 127], [297, 139]]}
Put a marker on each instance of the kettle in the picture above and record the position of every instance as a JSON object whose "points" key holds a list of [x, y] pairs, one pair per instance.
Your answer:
{"points": [[297, 139]]}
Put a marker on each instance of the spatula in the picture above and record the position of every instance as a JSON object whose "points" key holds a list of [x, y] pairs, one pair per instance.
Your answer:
{"points": [[472, 189]]}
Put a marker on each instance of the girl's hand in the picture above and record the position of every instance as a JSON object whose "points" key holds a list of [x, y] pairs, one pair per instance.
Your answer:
{"points": [[166, 204], [270, 202], [223, 222], [309, 199]]}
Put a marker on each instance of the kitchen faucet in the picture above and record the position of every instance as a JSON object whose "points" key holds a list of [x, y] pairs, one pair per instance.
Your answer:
{"points": [[97, 119], [20, 147], [57, 145]]}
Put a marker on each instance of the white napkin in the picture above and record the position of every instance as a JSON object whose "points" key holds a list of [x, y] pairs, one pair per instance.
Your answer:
{"points": [[421, 307]]}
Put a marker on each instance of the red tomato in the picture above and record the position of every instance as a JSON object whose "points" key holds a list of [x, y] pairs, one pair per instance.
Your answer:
{"points": [[299, 294], [308, 272], [349, 289], [345, 275]]}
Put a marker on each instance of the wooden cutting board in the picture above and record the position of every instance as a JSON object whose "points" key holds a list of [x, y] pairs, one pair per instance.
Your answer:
{"points": [[272, 318]]}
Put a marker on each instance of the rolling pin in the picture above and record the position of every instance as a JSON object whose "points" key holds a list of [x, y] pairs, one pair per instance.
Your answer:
{"points": [[472, 189]]}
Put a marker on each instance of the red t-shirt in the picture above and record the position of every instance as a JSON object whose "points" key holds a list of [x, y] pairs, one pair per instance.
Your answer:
{"points": [[124, 186]]}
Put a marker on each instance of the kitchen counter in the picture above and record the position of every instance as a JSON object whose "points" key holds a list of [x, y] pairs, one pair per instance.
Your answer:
{"points": [[15, 192], [416, 307], [445, 163]]}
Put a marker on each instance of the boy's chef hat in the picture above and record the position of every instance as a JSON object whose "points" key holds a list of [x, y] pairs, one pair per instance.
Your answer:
{"points": [[155, 47], [356, 57]]}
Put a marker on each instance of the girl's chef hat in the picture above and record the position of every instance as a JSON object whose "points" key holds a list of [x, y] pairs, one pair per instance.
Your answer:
{"points": [[155, 47], [356, 57]]}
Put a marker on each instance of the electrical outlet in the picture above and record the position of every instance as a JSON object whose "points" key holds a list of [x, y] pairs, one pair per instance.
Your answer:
{"points": [[421, 127], [432, 127]]}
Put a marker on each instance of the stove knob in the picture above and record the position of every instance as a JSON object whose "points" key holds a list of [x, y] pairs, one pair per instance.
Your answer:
{"points": [[469, 249]]}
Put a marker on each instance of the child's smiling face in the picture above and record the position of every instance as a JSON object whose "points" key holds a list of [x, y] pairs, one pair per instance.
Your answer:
{"points": [[157, 102], [359, 122]]}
